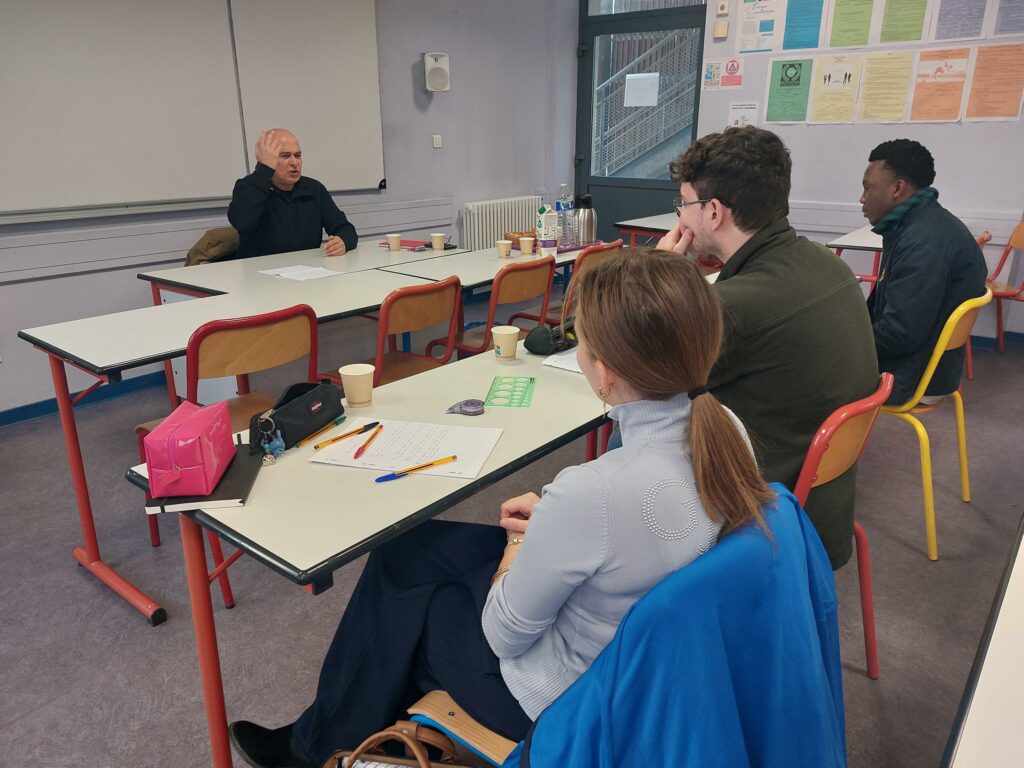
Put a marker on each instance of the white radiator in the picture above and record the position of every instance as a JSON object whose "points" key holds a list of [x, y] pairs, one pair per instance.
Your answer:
{"points": [[485, 221]]}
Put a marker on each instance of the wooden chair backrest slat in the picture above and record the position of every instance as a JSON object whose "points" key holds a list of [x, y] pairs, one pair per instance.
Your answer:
{"points": [[845, 447], [412, 312], [524, 284], [238, 351]]}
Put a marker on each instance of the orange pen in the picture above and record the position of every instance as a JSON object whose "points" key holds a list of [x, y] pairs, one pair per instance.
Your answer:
{"points": [[370, 439]]}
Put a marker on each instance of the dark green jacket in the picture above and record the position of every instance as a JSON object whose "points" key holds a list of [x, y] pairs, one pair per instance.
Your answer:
{"points": [[797, 345], [931, 264]]}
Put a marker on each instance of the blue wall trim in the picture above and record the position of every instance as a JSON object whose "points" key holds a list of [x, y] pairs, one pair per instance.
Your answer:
{"points": [[106, 392]]}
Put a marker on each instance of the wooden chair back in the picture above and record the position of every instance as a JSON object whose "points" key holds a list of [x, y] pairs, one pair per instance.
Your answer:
{"points": [[1016, 241], [244, 345], [519, 282], [589, 257], [840, 440], [419, 306]]}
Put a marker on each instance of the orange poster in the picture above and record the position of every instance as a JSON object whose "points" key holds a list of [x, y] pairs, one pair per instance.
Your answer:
{"points": [[998, 83], [939, 85]]}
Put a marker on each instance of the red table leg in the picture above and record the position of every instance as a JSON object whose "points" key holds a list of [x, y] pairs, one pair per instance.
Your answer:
{"points": [[206, 640], [89, 556], [172, 392]]}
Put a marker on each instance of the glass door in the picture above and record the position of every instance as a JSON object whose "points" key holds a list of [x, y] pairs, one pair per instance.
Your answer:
{"points": [[637, 99]]}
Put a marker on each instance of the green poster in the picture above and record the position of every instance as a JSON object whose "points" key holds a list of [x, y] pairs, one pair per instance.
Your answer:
{"points": [[851, 21], [788, 89], [903, 20]]}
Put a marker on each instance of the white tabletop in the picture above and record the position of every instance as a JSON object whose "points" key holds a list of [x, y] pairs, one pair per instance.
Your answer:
{"points": [[472, 267], [112, 343], [862, 239], [663, 222], [992, 734], [301, 515], [243, 275]]}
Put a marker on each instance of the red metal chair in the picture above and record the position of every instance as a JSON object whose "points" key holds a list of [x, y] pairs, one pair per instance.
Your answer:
{"points": [[238, 347], [555, 311], [516, 282], [413, 308], [983, 240], [1001, 290], [837, 446]]}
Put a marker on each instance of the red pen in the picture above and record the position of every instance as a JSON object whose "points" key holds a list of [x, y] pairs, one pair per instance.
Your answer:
{"points": [[370, 439]]}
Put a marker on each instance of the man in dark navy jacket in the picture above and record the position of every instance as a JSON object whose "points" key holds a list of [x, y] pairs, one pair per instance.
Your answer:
{"points": [[930, 265], [276, 209]]}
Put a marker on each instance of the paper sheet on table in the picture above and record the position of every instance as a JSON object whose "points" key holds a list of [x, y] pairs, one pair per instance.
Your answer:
{"points": [[300, 272], [404, 444], [566, 360]]}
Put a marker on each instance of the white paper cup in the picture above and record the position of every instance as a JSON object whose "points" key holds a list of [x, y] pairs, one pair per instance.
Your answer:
{"points": [[437, 240], [357, 380], [504, 248], [526, 245], [506, 339], [394, 242]]}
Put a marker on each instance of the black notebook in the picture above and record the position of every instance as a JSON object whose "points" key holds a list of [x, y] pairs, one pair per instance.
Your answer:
{"points": [[231, 491]]}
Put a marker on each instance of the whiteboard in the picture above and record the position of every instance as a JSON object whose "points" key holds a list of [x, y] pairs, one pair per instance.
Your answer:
{"points": [[311, 67], [116, 101], [111, 103]]}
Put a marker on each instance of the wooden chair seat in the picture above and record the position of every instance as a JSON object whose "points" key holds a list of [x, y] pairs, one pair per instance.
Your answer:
{"points": [[1005, 290]]}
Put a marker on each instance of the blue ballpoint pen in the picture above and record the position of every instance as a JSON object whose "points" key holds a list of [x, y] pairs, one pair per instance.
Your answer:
{"points": [[403, 472]]}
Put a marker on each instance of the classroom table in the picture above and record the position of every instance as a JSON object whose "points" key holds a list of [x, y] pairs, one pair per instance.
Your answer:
{"points": [[108, 345], [305, 520], [987, 728], [474, 268], [240, 275], [863, 239], [649, 226]]}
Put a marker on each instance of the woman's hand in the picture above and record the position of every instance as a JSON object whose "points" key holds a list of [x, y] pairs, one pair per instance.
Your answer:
{"points": [[516, 512]]}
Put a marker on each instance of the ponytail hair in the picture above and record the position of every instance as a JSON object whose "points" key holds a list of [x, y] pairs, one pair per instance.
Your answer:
{"points": [[652, 318]]}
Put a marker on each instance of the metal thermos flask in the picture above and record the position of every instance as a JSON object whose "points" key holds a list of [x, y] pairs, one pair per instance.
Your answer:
{"points": [[586, 219]]}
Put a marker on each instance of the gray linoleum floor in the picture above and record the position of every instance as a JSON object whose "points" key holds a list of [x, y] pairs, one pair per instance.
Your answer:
{"points": [[84, 680]]}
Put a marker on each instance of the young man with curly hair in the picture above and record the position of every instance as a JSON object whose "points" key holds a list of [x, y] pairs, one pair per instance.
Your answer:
{"points": [[797, 342]]}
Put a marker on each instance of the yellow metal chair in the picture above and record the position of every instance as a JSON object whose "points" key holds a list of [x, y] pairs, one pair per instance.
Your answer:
{"points": [[955, 334]]}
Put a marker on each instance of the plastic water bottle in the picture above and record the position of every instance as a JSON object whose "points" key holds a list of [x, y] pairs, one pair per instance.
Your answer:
{"points": [[567, 237]]}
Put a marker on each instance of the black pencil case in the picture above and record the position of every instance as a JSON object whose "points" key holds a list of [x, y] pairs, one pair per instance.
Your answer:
{"points": [[301, 410]]}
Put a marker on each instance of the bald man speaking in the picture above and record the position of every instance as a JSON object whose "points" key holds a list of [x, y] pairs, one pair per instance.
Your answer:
{"points": [[276, 209]]}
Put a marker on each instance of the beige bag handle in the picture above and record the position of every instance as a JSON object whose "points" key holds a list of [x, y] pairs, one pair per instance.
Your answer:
{"points": [[413, 735]]}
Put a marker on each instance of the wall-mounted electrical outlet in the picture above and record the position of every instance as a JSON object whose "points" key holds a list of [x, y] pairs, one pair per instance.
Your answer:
{"points": [[438, 142], [722, 8]]}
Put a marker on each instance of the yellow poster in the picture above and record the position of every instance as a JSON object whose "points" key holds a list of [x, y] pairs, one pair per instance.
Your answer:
{"points": [[883, 95], [939, 85], [834, 95], [997, 83]]}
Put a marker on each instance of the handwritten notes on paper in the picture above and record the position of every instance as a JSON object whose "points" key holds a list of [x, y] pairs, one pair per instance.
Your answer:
{"points": [[939, 85], [404, 444], [998, 83]]}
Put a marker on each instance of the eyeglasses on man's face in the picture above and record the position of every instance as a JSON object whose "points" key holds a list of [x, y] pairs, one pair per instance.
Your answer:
{"points": [[679, 204]]}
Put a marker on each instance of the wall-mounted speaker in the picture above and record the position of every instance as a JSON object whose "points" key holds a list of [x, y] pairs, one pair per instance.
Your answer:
{"points": [[436, 74]]}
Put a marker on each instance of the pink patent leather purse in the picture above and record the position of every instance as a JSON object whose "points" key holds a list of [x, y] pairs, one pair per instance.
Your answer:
{"points": [[189, 451]]}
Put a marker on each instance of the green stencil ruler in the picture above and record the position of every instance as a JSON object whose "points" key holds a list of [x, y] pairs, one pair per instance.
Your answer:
{"points": [[511, 392]]}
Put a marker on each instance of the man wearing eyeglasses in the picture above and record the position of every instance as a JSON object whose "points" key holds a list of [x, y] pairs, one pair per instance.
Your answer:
{"points": [[798, 341]]}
